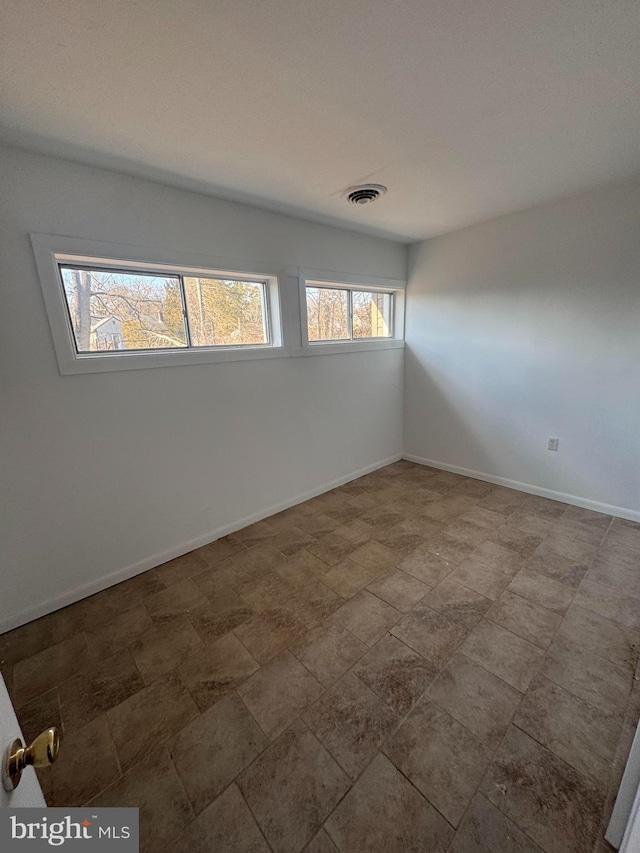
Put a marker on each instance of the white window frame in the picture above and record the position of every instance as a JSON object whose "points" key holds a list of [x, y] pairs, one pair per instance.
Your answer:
{"points": [[367, 284], [50, 251]]}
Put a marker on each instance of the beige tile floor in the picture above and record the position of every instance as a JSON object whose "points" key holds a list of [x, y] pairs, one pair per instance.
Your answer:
{"points": [[416, 661]]}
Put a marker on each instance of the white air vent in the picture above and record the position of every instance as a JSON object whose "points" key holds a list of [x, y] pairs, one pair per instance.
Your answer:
{"points": [[365, 193]]}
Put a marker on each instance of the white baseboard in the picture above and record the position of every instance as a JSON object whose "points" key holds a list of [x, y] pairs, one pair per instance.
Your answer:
{"points": [[574, 500], [80, 592]]}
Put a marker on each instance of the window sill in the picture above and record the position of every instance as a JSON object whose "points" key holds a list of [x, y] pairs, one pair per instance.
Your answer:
{"points": [[140, 360], [329, 348]]}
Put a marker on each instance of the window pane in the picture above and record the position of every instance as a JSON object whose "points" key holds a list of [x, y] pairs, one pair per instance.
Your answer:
{"points": [[327, 314], [225, 313], [371, 314], [123, 311]]}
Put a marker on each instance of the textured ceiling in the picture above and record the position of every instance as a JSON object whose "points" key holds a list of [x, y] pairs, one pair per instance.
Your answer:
{"points": [[466, 109]]}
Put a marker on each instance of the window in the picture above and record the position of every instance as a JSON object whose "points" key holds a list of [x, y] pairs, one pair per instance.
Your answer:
{"points": [[112, 314], [338, 317], [334, 314], [112, 309]]}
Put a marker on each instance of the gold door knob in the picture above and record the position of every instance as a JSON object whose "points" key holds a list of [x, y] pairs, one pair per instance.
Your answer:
{"points": [[41, 752]]}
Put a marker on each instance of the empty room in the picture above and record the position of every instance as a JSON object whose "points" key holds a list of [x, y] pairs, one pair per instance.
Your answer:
{"points": [[320, 426]]}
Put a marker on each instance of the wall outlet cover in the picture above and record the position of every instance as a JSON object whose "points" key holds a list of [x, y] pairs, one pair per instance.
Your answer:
{"points": [[553, 444]]}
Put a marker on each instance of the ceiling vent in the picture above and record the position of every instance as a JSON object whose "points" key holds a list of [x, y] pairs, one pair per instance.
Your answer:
{"points": [[365, 193]]}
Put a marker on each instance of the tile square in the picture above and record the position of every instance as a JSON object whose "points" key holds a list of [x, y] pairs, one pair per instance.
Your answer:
{"points": [[33, 637], [556, 806], [426, 567], [213, 620], [86, 765], [97, 610], [504, 501], [484, 829], [289, 540], [506, 655], [624, 609], [266, 592], [373, 556], [302, 568], [383, 517], [430, 634], [351, 722], [313, 603], [214, 748], [486, 580], [269, 632], [425, 749], [399, 541], [123, 630], [101, 686], [395, 673], [601, 636], [255, 534], [279, 692], [542, 590], [547, 562], [155, 788], [525, 618], [457, 603], [545, 507], [248, 564], [181, 568], [448, 549], [578, 733], [572, 548], [465, 531], [334, 547], [38, 714], [317, 525], [366, 617], [127, 594], [176, 600], [216, 669], [398, 589], [590, 534], [616, 574], [586, 516], [292, 788], [328, 652], [532, 522], [498, 557], [225, 825], [483, 517], [516, 540], [54, 665], [481, 701], [588, 676], [624, 532], [215, 552], [347, 578], [149, 717], [384, 812], [449, 508], [164, 648]]}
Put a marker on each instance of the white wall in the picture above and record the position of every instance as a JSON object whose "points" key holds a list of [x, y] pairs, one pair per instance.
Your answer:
{"points": [[528, 327], [105, 474]]}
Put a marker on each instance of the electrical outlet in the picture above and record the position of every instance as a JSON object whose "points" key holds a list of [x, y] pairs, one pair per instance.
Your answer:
{"points": [[553, 444]]}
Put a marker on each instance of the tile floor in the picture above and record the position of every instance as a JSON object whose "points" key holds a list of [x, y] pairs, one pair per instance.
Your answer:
{"points": [[415, 661]]}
